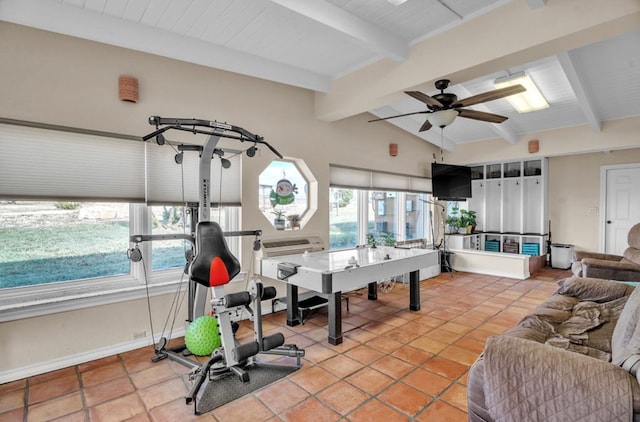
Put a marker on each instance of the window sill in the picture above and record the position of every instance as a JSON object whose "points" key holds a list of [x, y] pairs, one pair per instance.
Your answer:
{"points": [[28, 302]]}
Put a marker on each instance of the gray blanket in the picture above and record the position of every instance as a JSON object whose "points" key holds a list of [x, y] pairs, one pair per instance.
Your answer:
{"points": [[528, 381]]}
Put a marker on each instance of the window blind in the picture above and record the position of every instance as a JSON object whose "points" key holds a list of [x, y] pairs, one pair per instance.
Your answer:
{"points": [[355, 178], [69, 164], [47, 164], [165, 178]]}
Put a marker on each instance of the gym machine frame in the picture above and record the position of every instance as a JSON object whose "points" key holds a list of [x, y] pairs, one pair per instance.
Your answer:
{"points": [[231, 356]]}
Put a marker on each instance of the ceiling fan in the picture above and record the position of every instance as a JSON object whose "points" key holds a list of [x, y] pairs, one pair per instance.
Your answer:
{"points": [[444, 107]]}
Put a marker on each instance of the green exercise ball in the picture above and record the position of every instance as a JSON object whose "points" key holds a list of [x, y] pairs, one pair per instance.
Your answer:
{"points": [[202, 336]]}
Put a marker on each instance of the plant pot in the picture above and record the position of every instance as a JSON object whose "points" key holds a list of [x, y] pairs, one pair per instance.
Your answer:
{"points": [[462, 230], [279, 223]]}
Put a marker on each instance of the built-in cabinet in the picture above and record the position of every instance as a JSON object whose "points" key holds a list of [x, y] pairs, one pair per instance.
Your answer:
{"points": [[510, 200], [464, 241]]}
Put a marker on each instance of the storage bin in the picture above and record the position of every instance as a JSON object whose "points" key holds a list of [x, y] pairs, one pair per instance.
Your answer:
{"points": [[492, 245], [532, 249], [511, 247], [561, 255]]}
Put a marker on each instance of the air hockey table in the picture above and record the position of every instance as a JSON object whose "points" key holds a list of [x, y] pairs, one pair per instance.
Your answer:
{"points": [[332, 273]]}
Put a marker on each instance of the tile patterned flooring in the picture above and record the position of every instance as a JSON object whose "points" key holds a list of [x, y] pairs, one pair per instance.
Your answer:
{"points": [[394, 365]]}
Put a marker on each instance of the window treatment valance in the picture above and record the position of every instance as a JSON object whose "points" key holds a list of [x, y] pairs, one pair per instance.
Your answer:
{"points": [[349, 177], [49, 164]]}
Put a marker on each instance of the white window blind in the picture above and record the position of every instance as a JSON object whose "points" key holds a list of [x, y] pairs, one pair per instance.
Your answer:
{"points": [[349, 177], [165, 178], [50, 164], [38, 163]]}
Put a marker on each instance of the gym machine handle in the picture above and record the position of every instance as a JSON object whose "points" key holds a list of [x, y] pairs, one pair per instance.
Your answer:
{"points": [[190, 125]]}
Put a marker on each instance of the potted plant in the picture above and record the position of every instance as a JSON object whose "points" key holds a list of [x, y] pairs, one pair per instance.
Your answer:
{"points": [[452, 224], [456, 221], [468, 218], [294, 221], [278, 222]]}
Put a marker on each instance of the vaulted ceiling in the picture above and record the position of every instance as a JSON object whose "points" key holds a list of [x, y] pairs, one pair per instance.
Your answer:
{"points": [[360, 55]]}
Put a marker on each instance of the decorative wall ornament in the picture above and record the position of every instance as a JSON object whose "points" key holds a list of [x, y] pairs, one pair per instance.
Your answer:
{"points": [[393, 150], [128, 88]]}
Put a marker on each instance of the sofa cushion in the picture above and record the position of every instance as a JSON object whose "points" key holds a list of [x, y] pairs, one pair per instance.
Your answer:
{"points": [[592, 289], [633, 237], [576, 268], [625, 341], [631, 256]]}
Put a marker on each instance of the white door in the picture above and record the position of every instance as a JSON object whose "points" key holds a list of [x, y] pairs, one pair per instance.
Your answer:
{"points": [[621, 205]]}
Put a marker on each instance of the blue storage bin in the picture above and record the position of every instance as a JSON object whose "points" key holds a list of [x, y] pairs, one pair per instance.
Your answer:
{"points": [[532, 249], [492, 245]]}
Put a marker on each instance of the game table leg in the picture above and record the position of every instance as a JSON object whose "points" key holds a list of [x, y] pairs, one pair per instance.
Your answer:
{"points": [[335, 318], [414, 291], [373, 291], [293, 318]]}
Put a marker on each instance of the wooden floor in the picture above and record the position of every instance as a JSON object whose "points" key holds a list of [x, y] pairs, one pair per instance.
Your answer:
{"points": [[394, 365]]}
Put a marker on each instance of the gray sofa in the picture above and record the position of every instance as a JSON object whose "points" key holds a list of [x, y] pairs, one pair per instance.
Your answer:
{"points": [[575, 357], [608, 266]]}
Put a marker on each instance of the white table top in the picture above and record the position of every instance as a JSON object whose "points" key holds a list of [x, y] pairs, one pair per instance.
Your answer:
{"points": [[342, 259]]}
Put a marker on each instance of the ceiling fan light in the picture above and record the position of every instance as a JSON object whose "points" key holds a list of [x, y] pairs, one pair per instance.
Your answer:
{"points": [[527, 101], [442, 118]]}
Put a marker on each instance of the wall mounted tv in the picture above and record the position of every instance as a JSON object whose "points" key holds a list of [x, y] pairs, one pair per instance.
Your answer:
{"points": [[451, 183]]}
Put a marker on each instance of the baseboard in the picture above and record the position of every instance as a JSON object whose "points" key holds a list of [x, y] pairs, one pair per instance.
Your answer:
{"points": [[496, 264], [79, 358], [90, 355], [492, 272]]}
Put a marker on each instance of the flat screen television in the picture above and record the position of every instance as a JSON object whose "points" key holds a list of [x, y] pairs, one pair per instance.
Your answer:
{"points": [[450, 182]]}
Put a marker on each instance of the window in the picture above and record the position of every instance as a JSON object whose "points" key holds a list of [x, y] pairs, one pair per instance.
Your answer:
{"points": [[73, 202], [358, 217], [169, 219], [46, 242], [172, 220], [370, 206], [52, 242], [343, 219], [287, 194]]}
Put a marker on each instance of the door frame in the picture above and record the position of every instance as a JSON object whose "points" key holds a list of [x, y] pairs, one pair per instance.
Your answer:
{"points": [[603, 198]]}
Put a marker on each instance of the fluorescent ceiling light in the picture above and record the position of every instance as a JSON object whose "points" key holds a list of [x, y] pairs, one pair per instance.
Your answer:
{"points": [[529, 100], [396, 2]]}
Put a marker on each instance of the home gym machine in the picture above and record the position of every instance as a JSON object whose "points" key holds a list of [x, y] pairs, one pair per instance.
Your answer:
{"points": [[210, 266]]}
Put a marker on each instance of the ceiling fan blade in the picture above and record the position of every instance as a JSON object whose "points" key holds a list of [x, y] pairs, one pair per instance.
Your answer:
{"points": [[489, 96], [425, 126], [400, 115], [481, 115], [424, 98]]}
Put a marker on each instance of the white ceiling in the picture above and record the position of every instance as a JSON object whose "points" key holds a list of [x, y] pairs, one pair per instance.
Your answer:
{"points": [[314, 43]]}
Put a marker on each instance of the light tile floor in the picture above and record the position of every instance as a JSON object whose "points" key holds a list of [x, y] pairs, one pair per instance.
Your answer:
{"points": [[394, 365]]}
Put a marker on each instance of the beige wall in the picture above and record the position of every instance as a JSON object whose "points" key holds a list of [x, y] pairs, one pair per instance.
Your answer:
{"points": [[575, 157], [60, 80], [574, 195]]}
